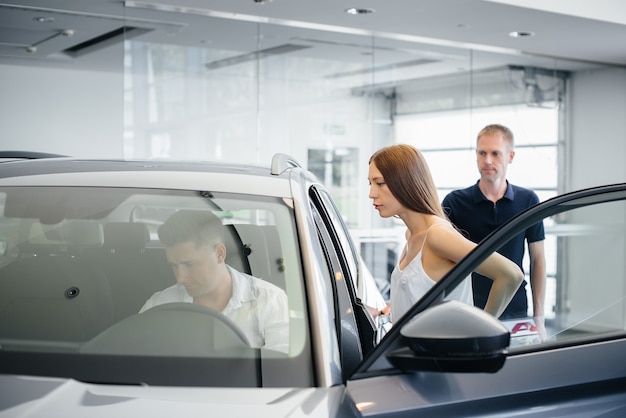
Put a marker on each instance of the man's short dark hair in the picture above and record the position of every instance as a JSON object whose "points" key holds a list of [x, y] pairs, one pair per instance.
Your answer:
{"points": [[201, 227]]}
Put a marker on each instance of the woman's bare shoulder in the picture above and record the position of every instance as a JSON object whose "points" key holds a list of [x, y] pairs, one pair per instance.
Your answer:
{"points": [[446, 241]]}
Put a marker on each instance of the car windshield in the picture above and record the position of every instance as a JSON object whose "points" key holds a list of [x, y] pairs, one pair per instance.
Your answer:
{"points": [[86, 280]]}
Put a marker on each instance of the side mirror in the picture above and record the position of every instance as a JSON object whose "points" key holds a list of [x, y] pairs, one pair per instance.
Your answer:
{"points": [[452, 337]]}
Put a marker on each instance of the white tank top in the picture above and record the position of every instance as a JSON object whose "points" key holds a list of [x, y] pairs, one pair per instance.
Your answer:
{"points": [[408, 285]]}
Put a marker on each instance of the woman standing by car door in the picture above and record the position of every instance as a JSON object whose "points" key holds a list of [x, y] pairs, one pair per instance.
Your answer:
{"points": [[401, 186]]}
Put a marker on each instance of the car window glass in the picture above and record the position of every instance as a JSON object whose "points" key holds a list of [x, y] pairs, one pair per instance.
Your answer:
{"points": [[77, 270], [588, 277]]}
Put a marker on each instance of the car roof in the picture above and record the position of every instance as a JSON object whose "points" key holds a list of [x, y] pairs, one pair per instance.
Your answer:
{"points": [[169, 174]]}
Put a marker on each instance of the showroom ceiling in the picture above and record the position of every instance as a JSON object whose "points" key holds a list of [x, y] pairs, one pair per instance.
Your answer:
{"points": [[418, 36]]}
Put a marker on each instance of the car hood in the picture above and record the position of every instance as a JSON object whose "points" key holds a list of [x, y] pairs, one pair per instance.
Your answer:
{"points": [[36, 397]]}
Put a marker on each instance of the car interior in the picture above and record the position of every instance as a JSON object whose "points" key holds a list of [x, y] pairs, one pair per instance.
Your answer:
{"points": [[66, 282]]}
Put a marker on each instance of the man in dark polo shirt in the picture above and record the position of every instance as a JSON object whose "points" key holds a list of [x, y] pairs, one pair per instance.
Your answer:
{"points": [[492, 201]]}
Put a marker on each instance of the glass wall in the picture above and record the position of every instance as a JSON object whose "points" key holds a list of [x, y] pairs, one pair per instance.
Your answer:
{"points": [[276, 90], [127, 80], [330, 99]]}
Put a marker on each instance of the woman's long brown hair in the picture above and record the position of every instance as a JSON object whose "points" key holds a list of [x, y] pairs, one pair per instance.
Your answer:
{"points": [[408, 177]]}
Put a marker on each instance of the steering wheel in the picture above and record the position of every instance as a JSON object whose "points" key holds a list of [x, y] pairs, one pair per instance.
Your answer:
{"points": [[173, 329], [192, 307]]}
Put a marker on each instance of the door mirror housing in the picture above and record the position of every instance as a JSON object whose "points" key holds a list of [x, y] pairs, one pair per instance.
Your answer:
{"points": [[452, 337]]}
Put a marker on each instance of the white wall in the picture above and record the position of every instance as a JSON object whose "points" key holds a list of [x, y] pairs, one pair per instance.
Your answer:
{"points": [[596, 155], [61, 111], [596, 141]]}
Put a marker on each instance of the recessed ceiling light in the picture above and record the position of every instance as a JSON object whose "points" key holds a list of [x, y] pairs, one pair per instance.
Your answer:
{"points": [[359, 11], [44, 19], [521, 34]]}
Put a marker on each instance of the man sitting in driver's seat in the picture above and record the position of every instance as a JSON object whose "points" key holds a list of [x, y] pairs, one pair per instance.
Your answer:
{"points": [[194, 246]]}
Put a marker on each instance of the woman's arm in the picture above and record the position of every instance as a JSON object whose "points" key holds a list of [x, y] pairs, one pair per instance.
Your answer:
{"points": [[449, 244], [506, 276]]}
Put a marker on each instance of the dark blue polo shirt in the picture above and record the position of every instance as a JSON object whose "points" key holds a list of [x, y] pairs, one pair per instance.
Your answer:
{"points": [[476, 216]]}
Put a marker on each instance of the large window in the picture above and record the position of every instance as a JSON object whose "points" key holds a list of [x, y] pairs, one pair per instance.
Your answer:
{"points": [[443, 138], [450, 152]]}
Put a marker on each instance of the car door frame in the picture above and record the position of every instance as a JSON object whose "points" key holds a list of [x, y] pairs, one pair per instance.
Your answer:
{"points": [[356, 330]]}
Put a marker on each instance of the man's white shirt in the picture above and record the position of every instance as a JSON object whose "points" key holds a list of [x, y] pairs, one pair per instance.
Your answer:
{"points": [[258, 307]]}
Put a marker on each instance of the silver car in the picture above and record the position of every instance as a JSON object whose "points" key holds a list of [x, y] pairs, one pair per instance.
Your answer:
{"points": [[80, 255]]}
